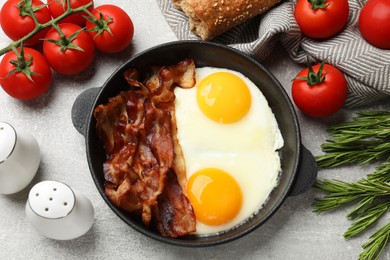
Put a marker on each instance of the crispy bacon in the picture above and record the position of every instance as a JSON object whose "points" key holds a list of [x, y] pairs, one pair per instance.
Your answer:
{"points": [[145, 169], [117, 167], [181, 74], [161, 84], [144, 159], [111, 123], [159, 134], [141, 195], [170, 214]]}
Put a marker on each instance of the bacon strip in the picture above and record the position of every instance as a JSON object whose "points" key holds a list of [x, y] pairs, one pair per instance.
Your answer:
{"points": [[159, 137], [145, 169], [170, 215], [111, 123]]}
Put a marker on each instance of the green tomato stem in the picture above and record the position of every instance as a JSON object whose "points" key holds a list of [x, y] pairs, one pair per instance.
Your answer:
{"points": [[101, 24], [318, 4], [21, 62], [39, 27], [313, 78], [93, 19], [63, 40]]}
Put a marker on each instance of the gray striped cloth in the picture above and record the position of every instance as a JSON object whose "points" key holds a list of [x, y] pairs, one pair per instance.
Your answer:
{"points": [[367, 69]]}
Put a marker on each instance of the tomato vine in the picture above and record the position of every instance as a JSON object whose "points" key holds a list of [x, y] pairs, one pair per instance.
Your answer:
{"points": [[39, 27]]}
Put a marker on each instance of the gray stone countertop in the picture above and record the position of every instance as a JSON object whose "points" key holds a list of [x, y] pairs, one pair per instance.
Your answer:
{"points": [[294, 232]]}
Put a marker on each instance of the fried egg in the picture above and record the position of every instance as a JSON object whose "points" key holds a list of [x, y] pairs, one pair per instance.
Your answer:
{"points": [[230, 140]]}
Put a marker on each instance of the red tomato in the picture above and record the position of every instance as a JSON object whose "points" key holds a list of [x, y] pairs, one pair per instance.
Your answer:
{"points": [[14, 79], [321, 19], [16, 22], [117, 29], [58, 7], [323, 98], [374, 23], [63, 55]]}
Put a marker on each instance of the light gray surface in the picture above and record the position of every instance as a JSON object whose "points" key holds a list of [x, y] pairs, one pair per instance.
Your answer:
{"points": [[294, 232]]}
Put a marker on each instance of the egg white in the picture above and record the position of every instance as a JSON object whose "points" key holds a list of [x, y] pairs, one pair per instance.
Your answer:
{"points": [[246, 149]]}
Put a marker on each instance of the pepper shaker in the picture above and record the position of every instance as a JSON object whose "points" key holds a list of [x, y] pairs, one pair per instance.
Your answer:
{"points": [[59, 212], [19, 158]]}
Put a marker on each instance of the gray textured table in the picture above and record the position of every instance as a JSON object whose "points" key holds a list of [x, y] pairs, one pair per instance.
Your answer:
{"points": [[294, 232]]}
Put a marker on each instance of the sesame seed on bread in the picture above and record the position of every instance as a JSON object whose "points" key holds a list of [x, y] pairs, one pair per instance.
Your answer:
{"points": [[210, 18]]}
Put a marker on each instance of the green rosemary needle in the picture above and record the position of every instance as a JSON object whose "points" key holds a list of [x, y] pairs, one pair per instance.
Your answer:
{"points": [[365, 139], [376, 244], [341, 193], [370, 216]]}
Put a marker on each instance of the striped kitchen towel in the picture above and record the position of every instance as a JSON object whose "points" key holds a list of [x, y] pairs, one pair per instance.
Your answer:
{"points": [[366, 68]]}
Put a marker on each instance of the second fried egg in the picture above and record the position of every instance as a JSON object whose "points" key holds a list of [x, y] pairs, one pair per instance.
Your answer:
{"points": [[229, 137]]}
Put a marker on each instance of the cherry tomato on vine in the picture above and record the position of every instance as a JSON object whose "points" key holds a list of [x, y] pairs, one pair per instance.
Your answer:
{"points": [[25, 74], [319, 90], [112, 30], [374, 23], [321, 19], [68, 49], [58, 7], [16, 20]]}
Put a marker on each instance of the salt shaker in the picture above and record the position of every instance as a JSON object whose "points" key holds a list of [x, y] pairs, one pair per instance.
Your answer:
{"points": [[59, 212], [19, 159]]}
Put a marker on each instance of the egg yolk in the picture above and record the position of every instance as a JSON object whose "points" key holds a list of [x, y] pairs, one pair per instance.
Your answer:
{"points": [[223, 97], [215, 196]]}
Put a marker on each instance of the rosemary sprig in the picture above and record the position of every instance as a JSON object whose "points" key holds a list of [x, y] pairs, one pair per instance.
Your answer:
{"points": [[372, 214], [382, 173], [342, 193], [377, 242], [365, 139]]}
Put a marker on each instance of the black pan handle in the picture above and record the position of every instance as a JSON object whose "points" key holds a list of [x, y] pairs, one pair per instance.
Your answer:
{"points": [[306, 174], [82, 107]]}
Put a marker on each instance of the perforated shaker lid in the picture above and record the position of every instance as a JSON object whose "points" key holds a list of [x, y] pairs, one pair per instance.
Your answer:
{"points": [[7, 140], [51, 199]]}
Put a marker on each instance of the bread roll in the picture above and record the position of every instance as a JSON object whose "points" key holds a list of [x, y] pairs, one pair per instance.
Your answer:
{"points": [[210, 18]]}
